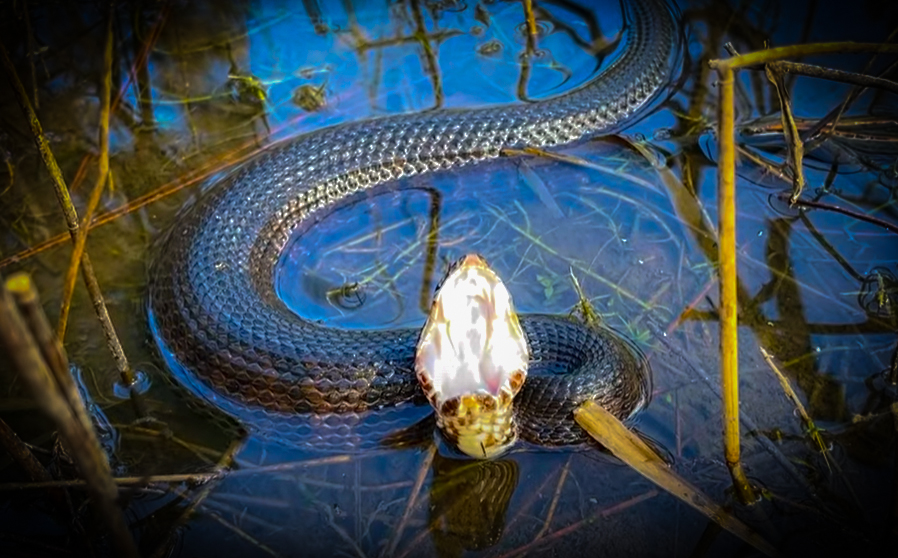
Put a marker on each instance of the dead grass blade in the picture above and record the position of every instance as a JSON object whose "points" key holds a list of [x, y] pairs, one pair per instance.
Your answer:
{"points": [[627, 447]]}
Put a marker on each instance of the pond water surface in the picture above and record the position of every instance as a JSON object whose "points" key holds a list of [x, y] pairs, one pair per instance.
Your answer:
{"points": [[203, 87]]}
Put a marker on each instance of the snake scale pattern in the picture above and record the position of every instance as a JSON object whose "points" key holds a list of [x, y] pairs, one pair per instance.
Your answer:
{"points": [[214, 311]]}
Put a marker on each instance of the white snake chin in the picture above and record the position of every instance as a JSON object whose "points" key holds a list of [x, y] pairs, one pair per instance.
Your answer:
{"points": [[471, 359]]}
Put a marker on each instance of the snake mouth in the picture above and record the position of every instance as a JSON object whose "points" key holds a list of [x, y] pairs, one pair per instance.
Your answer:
{"points": [[472, 358]]}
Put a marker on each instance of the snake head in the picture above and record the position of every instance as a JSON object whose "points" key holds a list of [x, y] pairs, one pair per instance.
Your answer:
{"points": [[472, 358]]}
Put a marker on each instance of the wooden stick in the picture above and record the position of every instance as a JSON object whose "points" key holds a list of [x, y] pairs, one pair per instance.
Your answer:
{"points": [[790, 129], [812, 70]]}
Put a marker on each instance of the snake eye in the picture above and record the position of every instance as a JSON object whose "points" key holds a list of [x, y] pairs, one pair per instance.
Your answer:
{"points": [[472, 359]]}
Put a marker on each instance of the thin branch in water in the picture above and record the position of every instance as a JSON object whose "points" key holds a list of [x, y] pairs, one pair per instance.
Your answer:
{"points": [[103, 176], [893, 370], [188, 478], [790, 129], [71, 217], [812, 70], [244, 535], [891, 227], [816, 135], [606, 512], [26, 460], [529, 51], [794, 51], [29, 32], [809, 424], [811, 427], [23, 291]]}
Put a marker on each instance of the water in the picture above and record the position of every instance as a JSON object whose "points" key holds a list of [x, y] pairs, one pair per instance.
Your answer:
{"points": [[638, 238]]}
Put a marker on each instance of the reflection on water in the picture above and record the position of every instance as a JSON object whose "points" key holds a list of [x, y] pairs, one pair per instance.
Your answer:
{"points": [[197, 88], [469, 501]]}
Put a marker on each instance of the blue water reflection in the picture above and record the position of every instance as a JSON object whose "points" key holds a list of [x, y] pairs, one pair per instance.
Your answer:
{"points": [[637, 229]]}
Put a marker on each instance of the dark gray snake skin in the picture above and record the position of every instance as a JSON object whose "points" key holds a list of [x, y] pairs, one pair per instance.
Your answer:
{"points": [[212, 305]]}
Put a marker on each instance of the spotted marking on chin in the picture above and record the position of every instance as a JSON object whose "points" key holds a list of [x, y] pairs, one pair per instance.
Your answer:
{"points": [[472, 359]]}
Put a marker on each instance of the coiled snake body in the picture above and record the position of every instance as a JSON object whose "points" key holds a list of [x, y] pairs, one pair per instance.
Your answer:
{"points": [[214, 311]]}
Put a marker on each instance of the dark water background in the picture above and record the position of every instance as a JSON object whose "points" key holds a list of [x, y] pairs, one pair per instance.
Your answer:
{"points": [[223, 80]]}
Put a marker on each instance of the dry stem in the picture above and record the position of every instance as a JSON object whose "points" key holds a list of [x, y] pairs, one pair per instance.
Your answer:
{"points": [[102, 178], [729, 327], [82, 444], [71, 217]]}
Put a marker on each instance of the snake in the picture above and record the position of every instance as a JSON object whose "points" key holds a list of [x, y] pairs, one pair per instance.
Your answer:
{"points": [[215, 315]]}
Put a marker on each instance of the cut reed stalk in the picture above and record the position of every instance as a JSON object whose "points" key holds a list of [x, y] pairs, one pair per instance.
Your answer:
{"points": [[25, 294], [28, 360]]}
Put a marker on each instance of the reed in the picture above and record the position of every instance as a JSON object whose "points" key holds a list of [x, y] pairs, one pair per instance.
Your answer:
{"points": [[28, 359]]}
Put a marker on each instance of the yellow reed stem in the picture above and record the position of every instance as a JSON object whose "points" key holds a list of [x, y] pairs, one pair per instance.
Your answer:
{"points": [[102, 176], [795, 51], [729, 347], [531, 20]]}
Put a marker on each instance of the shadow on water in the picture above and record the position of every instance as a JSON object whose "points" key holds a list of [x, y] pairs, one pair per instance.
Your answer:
{"points": [[199, 88]]}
